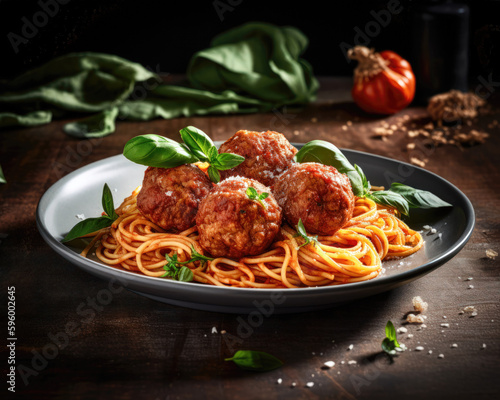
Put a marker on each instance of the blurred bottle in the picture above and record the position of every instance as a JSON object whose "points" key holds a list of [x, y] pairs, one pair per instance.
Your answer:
{"points": [[440, 43]]}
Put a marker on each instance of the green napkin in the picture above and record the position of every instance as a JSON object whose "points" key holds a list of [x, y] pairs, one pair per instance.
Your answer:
{"points": [[252, 68]]}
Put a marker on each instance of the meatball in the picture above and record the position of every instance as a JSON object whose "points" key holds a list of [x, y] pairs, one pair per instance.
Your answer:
{"points": [[232, 225], [317, 194], [170, 197], [267, 155]]}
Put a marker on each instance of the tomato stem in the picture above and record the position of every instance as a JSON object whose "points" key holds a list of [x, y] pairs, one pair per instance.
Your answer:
{"points": [[370, 63]]}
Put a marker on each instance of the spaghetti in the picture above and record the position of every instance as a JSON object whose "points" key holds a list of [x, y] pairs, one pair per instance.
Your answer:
{"points": [[353, 254]]}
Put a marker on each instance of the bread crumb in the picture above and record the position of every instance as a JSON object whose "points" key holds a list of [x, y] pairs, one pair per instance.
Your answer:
{"points": [[329, 364], [490, 253], [419, 305], [310, 384], [415, 319], [419, 348], [402, 330], [454, 346], [441, 356], [418, 162]]}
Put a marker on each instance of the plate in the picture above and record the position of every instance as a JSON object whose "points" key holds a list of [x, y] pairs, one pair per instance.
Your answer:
{"points": [[78, 195]]}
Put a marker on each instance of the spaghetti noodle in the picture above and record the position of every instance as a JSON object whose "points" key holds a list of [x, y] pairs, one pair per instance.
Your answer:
{"points": [[353, 254]]}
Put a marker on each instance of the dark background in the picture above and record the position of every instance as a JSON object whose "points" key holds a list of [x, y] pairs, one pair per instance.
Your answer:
{"points": [[163, 35]]}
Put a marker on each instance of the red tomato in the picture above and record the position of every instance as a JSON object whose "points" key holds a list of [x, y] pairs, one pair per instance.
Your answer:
{"points": [[384, 82]]}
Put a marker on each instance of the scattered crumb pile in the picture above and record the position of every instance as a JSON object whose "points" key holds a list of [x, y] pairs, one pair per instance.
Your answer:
{"points": [[454, 106], [449, 120], [419, 306]]}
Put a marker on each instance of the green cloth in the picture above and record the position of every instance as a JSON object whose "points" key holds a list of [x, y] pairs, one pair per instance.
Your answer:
{"points": [[255, 67]]}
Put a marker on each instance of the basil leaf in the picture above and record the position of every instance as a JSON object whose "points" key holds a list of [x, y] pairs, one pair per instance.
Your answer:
{"points": [[390, 342], [388, 346], [301, 231], [88, 225], [213, 174], [198, 141], [157, 151], [2, 176], [390, 332], [108, 203], [212, 155], [184, 274], [226, 161], [252, 193], [391, 199], [364, 179], [326, 153], [255, 360], [417, 198]]}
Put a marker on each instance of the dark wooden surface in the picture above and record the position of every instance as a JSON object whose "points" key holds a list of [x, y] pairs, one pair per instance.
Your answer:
{"points": [[134, 348]]}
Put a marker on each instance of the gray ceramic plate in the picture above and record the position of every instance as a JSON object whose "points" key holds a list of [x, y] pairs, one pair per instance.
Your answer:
{"points": [[80, 193]]}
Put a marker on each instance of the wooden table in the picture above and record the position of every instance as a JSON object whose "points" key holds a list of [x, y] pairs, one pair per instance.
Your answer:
{"points": [[132, 347]]}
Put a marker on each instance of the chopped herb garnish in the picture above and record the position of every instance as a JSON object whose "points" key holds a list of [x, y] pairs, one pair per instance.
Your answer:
{"points": [[301, 231], [254, 195], [178, 271]]}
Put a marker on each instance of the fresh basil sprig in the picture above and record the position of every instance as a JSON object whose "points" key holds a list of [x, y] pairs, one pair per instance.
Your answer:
{"points": [[252, 194], [417, 198], [326, 153], [301, 231], [399, 196], [178, 271], [255, 360], [91, 225], [158, 151], [391, 199], [390, 343]]}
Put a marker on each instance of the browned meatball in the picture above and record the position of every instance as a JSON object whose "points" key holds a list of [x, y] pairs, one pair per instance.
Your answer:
{"points": [[170, 197], [267, 155], [317, 194], [232, 225]]}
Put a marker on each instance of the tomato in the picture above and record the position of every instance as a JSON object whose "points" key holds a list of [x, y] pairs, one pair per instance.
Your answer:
{"points": [[384, 82]]}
